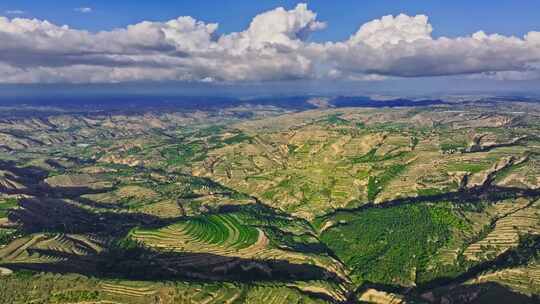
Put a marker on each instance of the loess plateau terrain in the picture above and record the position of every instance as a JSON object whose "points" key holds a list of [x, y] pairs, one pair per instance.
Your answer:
{"points": [[269, 201]]}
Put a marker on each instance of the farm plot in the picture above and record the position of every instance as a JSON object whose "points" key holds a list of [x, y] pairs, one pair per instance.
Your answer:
{"points": [[17, 251], [524, 279], [277, 295], [24, 249], [163, 209], [130, 291], [225, 237], [177, 292], [223, 295], [205, 233], [506, 232]]}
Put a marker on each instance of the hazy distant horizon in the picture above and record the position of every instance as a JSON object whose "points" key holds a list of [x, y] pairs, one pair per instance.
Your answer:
{"points": [[400, 88]]}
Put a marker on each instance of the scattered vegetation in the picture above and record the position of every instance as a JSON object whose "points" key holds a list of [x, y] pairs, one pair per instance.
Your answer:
{"points": [[6, 205]]}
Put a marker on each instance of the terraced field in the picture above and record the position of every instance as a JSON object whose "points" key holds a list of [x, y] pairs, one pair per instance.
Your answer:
{"points": [[214, 232], [17, 251], [525, 279], [225, 237], [375, 296], [128, 291], [277, 295], [515, 219], [41, 248]]}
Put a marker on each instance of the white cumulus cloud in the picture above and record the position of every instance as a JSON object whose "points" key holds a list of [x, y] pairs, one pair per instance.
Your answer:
{"points": [[275, 46], [393, 30]]}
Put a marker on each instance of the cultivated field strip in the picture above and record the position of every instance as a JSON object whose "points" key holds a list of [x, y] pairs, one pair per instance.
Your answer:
{"points": [[276, 295], [506, 232], [97, 302], [144, 293], [77, 245], [337, 292], [222, 296], [127, 290], [17, 250], [525, 279], [166, 208], [217, 233], [21, 250], [380, 297], [225, 238]]}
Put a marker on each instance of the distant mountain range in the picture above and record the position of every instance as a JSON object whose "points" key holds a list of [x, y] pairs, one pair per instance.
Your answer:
{"points": [[136, 103]]}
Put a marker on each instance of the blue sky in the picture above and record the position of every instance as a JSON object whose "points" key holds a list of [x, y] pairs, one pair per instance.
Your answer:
{"points": [[403, 52], [449, 18]]}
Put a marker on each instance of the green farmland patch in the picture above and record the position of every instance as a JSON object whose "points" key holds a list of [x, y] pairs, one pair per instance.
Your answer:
{"points": [[7, 204]]}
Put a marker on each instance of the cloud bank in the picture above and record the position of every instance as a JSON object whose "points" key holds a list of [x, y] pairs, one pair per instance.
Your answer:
{"points": [[275, 46]]}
